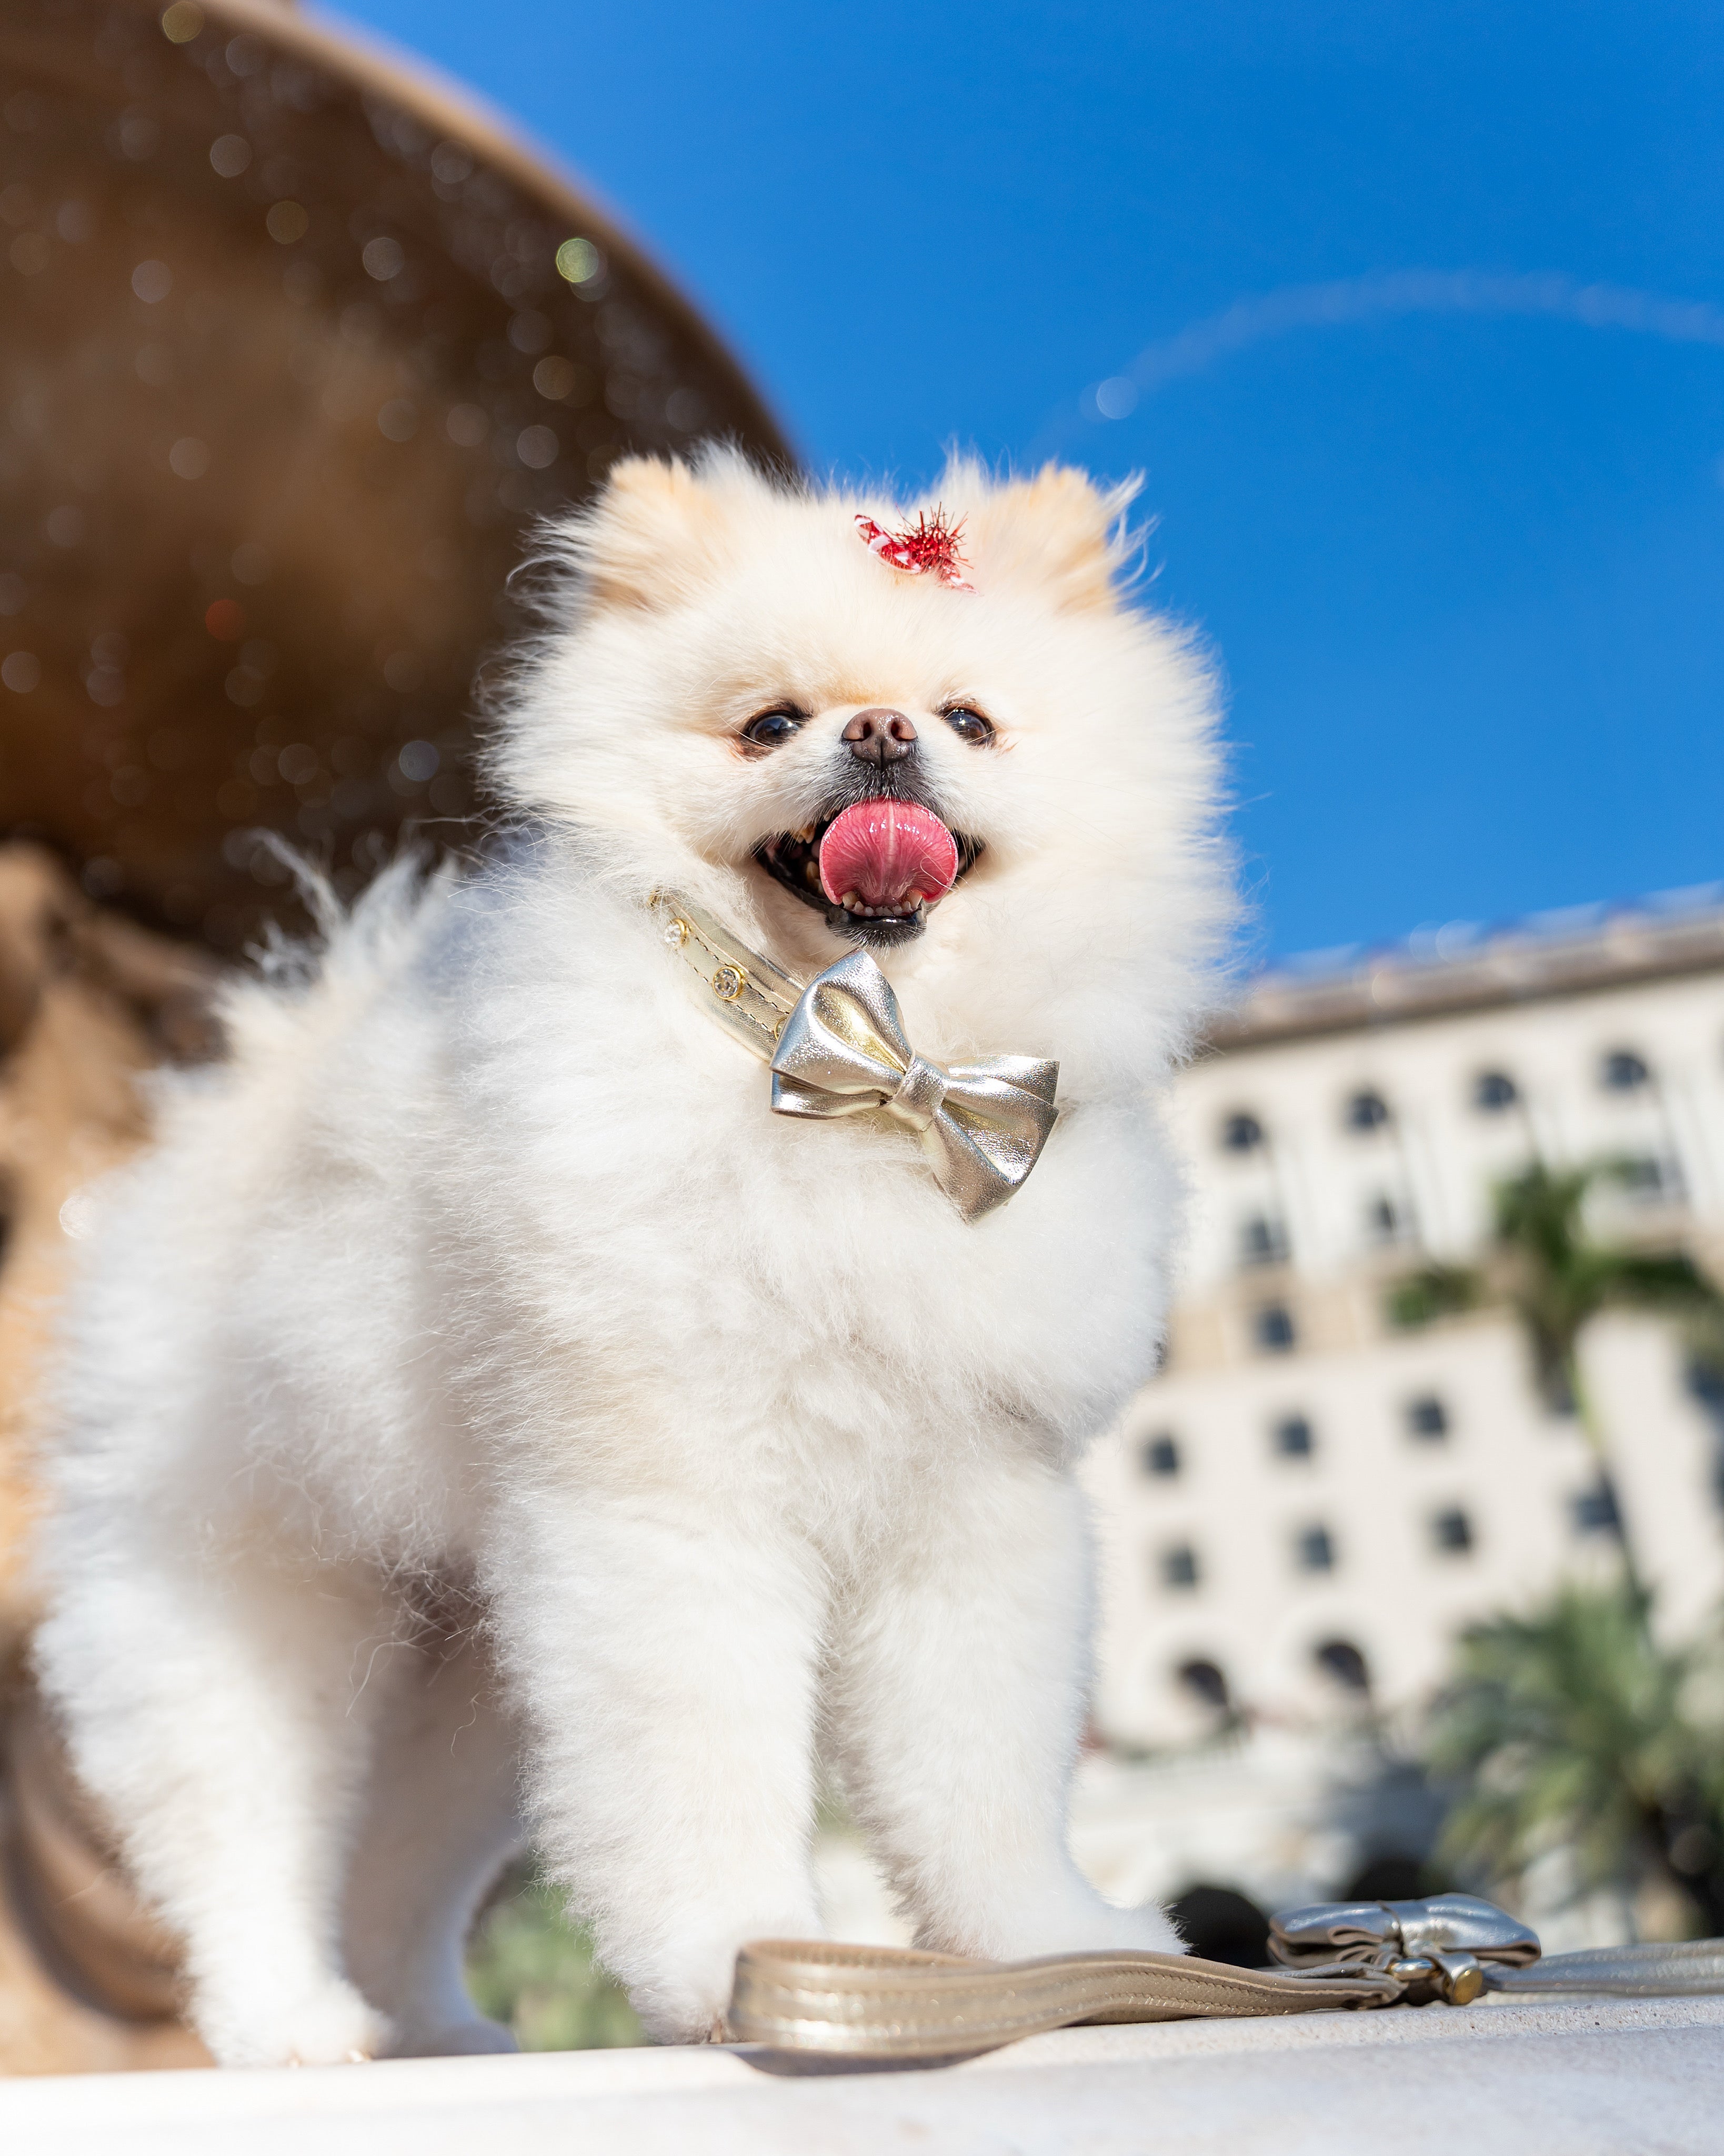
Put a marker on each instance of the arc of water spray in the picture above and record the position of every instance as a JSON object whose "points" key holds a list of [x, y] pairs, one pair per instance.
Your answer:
{"points": [[1200, 344]]}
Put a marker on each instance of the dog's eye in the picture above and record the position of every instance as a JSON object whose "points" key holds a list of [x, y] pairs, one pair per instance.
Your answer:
{"points": [[771, 729], [969, 724]]}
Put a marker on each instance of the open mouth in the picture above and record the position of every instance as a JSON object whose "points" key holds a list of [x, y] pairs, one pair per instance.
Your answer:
{"points": [[875, 868]]}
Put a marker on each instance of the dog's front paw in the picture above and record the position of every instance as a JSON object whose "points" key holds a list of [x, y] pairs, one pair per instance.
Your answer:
{"points": [[1146, 1930], [329, 2026], [687, 2007], [682, 1996]]}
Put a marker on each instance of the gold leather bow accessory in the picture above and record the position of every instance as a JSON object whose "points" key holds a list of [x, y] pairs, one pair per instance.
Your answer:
{"points": [[838, 1047]]}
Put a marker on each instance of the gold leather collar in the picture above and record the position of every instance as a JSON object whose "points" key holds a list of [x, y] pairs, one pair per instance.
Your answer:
{"points": [[745, 992]]}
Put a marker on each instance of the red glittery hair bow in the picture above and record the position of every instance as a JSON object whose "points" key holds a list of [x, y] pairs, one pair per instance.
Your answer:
{"points": [[930, 543]]}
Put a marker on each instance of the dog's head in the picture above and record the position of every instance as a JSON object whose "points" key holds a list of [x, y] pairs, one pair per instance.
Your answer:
{"points": [[742, 699]]}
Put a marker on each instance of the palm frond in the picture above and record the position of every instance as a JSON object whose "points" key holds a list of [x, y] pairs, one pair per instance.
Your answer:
{"points": [[1572, 1724], [1433, 1292]]}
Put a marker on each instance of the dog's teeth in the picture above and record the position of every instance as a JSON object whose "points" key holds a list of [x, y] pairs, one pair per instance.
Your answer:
{"points": [[806, 836], [811, 871]]}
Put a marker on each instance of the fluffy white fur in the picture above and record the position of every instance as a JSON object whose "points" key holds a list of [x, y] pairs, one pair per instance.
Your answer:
{"points": [[480, 1278]]}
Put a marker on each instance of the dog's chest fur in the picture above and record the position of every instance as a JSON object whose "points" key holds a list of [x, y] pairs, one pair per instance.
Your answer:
{"points": [[573, 1246]]}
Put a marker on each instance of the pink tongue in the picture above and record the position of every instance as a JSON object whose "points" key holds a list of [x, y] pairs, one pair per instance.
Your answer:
{"points": [[884, 850]]}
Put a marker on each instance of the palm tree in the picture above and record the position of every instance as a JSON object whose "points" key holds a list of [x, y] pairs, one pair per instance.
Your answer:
{"points": [[1573, 1725], [1545, 1265]]}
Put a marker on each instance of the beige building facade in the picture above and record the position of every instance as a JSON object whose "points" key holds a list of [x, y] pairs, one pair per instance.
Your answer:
{"points": [[1309, 1503]]}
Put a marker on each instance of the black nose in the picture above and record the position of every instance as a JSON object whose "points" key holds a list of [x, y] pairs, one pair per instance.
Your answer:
{"points": [[880, 736]]}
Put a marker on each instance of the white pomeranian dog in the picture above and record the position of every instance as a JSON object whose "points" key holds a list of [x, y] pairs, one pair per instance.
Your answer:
{"points": [[479, 1406]]}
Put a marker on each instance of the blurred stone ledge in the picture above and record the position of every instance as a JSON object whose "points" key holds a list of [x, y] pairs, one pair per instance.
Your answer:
{"points": [[1596, 2077]]}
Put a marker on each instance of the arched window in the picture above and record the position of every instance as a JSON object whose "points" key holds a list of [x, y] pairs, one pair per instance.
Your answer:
{"points": [[1366, 1110], [1293, 1437], [1494, 1091], [1204, 1682], [1273, 1329], [1649, 1180], [1241, 1132], [1623, 1071], [1160, 1455], [1341, 1660]]}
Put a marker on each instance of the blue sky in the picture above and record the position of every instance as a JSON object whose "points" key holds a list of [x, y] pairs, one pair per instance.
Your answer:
{"points": [[1463, 561]]}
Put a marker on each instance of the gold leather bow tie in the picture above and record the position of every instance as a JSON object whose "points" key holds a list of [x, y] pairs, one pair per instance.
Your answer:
{"points": [[837, 1048]]}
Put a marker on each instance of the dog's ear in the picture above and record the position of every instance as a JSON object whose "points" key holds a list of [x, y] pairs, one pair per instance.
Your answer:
{"points": [[1058, 531], [653, 535]]}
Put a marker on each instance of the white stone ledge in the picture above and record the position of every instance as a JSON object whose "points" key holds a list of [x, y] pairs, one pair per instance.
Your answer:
{"points": [[1605, 2077]]}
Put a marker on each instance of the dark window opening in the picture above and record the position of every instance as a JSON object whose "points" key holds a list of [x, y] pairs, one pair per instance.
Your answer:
{"points": [[1452, 1531], [1393, 1876], [1341, 1660], [1387, 1221], [1293, 1437], [1272, 1329], [1623, 1071], [1159, 1456], [1426, 1417], [1648, 1180], [1494, 1091], [1241, 1134], [1706, 1383], [1595, 1512], [1262, 1241], [1205, 1681], [1179, 1566], [1314, 1550], [1367, 1112]]}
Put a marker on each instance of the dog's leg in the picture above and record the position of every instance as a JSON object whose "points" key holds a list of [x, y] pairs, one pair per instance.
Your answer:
{"points": [[441, 1816], [219, 1710], [957, 1695], [666, 1659]]}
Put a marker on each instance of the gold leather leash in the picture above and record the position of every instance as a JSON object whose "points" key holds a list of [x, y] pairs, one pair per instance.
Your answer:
{"points": [[1682, 1969], [896, 2003], [856, 2002]]}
